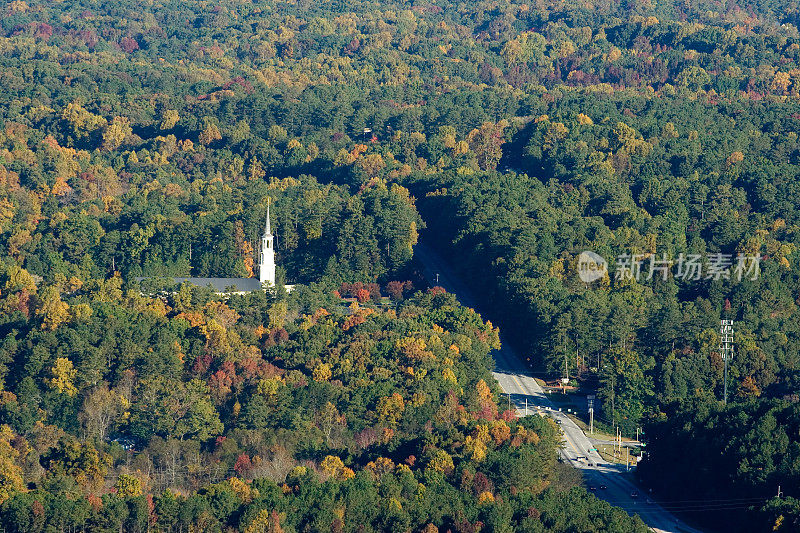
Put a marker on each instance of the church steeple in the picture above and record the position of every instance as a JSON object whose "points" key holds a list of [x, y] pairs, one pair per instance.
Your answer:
{"points": [[266, 263]]}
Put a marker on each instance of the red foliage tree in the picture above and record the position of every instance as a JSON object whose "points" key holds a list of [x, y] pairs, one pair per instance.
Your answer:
{"points": [[367, 437], [276, 336], [374, 291], [398, 289], [128, 45], [243, 464], [202, 363], [481, 483], [362, 295]]}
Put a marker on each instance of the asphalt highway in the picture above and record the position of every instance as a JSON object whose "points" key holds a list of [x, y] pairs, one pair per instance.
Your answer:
{"points": [[608, 481]]}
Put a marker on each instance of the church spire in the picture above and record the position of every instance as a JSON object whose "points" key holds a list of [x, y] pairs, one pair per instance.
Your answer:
{"points": [[266, 263]]}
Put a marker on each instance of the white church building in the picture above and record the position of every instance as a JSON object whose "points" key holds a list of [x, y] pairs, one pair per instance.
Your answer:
{"points": [[266, 271]]}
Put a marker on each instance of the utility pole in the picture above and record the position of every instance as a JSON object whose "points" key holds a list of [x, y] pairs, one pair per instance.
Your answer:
{"points": [[779, 492], [726, 351], [613, 395], [637, 434]]}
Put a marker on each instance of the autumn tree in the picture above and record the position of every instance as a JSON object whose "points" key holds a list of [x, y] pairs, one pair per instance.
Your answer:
{"points": [[209, 134], [101, 409], [52, 309], [11, 480], [116, 132], [63, 372], [487, 142]]}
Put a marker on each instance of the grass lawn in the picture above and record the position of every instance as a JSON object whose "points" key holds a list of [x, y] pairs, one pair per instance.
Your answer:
{"points": [[611, 455], [598, 433]]}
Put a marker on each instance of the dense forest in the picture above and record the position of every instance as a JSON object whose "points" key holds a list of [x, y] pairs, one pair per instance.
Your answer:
{"points": [[749, 448], [146, 140], [135, 413]]}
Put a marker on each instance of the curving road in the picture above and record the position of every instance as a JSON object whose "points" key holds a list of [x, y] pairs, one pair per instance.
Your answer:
{"points": [[607, 480]]}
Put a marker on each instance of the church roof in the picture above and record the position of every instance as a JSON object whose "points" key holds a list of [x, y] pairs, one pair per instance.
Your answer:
{"points": [[224, 284], [221, 285]]}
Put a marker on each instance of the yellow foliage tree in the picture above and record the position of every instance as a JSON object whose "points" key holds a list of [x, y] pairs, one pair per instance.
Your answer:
{"points": [[63, 376], [128, 486], [209, 134], [116, 132], [322, 372], [500, 432], [11, 480], [413, 348], [269, 387], [390, 409], [7, 211], [334, 467], [372, 164], [169, 119], [381, 466], [475, 448], [18, 279], [487, 142], [82, 121], [486, 497], [441, 462], [243, 490], [484, 392], [265, 522], [52, 309]]}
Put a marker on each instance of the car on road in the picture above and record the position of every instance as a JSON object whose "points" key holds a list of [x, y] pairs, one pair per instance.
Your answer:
{"points": [[635, 494], [592, 488], [603, 487]]}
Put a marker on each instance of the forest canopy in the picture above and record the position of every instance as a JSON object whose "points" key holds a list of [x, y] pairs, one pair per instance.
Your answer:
{"points": [[146, 140]]}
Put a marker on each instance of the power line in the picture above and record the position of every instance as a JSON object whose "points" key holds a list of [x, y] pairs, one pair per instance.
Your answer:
{"points": [[696, 506], [706, 509], [715, 500], [699, 506], [679, 503]]}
